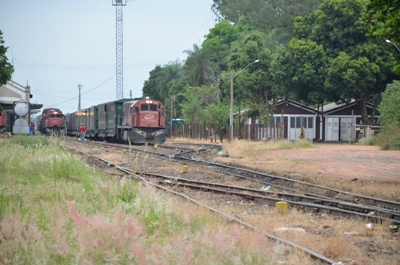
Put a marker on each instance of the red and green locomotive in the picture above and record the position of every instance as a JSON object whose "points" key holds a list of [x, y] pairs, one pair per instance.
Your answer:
{"points": [[139, 121]]}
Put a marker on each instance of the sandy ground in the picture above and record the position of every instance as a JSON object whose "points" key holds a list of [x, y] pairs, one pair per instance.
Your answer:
{"points": [[365, 163]]}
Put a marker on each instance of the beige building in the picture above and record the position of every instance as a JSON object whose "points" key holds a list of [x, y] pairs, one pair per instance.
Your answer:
{"points": [[16, 98]]}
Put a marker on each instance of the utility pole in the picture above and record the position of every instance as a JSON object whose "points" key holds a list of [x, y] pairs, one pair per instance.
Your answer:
{"points": [[79, 103], [119, 36]]}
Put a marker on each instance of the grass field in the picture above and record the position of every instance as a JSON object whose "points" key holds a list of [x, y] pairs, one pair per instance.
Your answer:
{"points": [[56, 210]]}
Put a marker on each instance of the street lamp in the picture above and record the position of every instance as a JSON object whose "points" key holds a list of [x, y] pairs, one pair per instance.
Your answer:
{"points": [[231, 108], [388, 41]]}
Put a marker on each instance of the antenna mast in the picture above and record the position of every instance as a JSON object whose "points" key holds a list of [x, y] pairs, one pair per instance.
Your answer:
{"points": [[79, 102], [119, 4]]}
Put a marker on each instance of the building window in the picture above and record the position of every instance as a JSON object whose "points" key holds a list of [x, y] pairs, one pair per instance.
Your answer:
{"points": [[310, 122], [292, 122]]}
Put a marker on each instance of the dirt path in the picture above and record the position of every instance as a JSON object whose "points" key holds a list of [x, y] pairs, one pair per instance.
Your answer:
{"points": [[346, 161]]}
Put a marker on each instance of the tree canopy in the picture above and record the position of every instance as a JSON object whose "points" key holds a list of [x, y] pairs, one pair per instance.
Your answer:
{"points": [[348, 65], [6, 69], [314, 51]]}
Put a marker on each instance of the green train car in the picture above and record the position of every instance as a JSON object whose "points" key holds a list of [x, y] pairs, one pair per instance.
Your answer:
{"points": [[139, 121]]}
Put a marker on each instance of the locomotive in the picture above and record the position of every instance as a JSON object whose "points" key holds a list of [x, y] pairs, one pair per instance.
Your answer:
{"points": [[52, 121], [138, 121], [3, 121]]}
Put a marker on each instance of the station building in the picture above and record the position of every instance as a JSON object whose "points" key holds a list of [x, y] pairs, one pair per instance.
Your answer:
{"points": [[15, 99]]}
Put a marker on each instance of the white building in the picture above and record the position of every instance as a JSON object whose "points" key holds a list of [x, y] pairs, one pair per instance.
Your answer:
{"points": [[16, 98]]}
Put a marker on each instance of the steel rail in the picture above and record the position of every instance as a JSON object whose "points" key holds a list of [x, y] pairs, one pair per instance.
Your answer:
{"points": [[313, 254]]}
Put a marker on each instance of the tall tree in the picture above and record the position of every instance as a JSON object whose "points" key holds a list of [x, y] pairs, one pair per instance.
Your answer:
{"points": [[6, 69], [309, 66], [252, 82], [197, 62], [358, 68], [161, 80], [382, 17], [265, 14], [150, 86]]}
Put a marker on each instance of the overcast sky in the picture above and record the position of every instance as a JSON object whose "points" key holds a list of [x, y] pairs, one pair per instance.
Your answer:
{"points": [[57, 45]]}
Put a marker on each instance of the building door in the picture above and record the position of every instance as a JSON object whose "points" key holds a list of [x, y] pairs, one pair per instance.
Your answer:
{"points": [[345, 129], [332, 129]]}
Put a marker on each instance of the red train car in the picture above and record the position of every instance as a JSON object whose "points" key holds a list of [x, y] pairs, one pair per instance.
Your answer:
{"points": [[52, 121], [3, 121]]}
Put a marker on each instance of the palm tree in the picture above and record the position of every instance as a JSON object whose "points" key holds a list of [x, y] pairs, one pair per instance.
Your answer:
{"points": [[192, 111], [166, 78], [196, 65]]}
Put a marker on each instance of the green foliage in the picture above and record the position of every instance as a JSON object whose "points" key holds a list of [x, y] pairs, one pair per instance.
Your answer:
{"points": [[27, 141], [127, 193], [389, 108], [368, 141], [162, 80], [223, 33], [310, 65], [217, 114], [6, 69], [350, 65], [265, 15], [196, 65], [63, 222], [382, 17], [191, 109], [389, 139]]}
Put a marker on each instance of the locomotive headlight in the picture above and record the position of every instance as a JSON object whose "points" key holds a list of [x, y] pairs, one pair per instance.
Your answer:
{"points": [[147, 101], [151, 101]]}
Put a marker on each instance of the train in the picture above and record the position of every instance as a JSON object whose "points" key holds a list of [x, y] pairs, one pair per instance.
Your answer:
{"points": [[138, 121], [52, 122], [5, 121]]}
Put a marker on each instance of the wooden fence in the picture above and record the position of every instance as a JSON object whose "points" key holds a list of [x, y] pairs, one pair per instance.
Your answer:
{"points": [[214, 132]]}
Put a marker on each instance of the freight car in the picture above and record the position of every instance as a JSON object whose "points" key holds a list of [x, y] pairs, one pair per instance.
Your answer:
{"points": [[51, 122], [139, 121]]}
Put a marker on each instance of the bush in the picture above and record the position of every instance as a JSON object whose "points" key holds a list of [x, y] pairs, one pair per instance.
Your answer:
{"points": [[389, 139]]}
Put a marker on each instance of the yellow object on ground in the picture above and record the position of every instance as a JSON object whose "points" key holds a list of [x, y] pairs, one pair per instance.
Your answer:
{"points": [[185, 169], [281, 207]]}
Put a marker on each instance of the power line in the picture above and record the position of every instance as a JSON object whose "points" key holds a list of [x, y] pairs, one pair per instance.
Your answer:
{"points": [[79, 67], [59, 103]]}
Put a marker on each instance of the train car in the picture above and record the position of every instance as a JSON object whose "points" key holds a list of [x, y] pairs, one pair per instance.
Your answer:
{"points": [[139, 121], [74, 120], [52, 121], [6, 121]]}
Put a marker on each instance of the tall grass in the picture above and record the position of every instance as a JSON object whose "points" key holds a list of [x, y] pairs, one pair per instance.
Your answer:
{"points": [[386, 140], [55, 210]]}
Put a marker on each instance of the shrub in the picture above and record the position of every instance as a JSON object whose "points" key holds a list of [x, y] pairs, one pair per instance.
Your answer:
{"points": [[389, 139]]}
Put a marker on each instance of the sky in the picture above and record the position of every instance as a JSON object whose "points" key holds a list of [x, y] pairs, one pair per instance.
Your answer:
{"points": [[58, 46]]}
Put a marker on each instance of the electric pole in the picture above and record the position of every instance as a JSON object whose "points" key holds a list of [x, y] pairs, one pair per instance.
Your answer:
{"points": [[79, 103], [119, 4]]}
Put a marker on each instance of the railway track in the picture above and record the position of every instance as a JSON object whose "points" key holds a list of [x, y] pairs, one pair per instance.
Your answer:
{"points": [[304, 196], [146, 177]]}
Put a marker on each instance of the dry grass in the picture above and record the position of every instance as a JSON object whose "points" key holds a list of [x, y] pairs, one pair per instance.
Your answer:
{"points": [[324, 234]]}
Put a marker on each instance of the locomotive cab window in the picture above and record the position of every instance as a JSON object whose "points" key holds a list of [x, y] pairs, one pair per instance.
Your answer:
{"points": [[153, 107], [144, 107]]}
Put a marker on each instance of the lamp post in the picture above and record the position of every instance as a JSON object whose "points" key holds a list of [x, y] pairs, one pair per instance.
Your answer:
{"points": [[231, 107], [388, 41]]}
